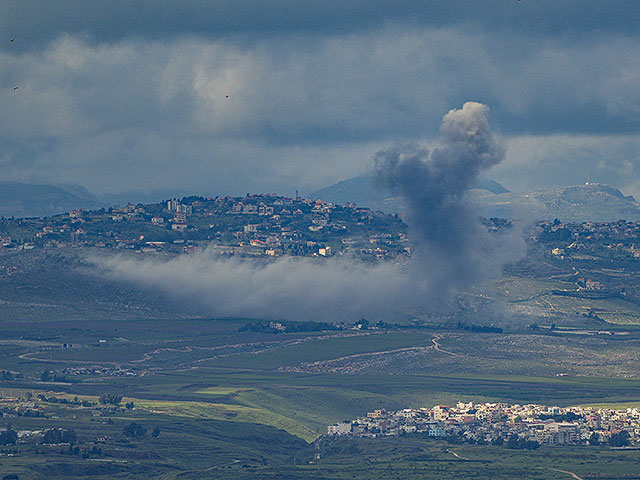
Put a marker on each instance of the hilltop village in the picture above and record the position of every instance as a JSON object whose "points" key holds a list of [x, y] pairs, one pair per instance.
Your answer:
{"points": [[272, 225], [255, 225], [516, 426], [595, 257]]}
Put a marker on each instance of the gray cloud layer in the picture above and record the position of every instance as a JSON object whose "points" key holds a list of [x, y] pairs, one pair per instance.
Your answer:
{"points": [[113, 20], [132, 95]]}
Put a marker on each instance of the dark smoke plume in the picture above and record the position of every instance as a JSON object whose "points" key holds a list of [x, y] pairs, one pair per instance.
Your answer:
{"points": [[452, 247], [453, 251]]}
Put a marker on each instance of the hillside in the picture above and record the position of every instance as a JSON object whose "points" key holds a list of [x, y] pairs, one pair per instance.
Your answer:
{"points": [[362, 191], [27, 200], [579, 203]]}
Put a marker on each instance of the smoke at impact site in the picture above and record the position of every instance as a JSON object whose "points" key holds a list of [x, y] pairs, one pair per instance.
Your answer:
{"points": [[452, 249]]}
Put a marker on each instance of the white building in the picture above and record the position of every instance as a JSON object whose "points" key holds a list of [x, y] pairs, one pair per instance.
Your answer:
{"points": [[342, 428]]}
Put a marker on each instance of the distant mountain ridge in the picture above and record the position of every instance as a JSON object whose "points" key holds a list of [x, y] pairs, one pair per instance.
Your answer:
{"points": [[362, 191], [29, 200], [24, 200], [591, 202], [575, 203]]}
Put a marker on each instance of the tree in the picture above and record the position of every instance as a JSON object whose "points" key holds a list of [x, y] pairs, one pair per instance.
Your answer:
{"points": [[59, 435], [513, 442], [362, 324], [110, 399], [517, 443], [134, 430], [531, 445], [594, 439], [8, 437], [620, 439]]}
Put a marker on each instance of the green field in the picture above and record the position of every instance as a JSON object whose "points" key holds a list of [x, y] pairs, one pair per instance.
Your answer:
{"points": [[231, 404], [212, 449], [537, 293]]}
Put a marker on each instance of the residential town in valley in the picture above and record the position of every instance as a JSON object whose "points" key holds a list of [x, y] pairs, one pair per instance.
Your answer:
{"points": [[516, 426]]}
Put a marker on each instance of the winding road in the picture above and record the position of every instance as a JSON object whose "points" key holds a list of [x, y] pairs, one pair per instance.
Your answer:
{"points": [[573, 475]]}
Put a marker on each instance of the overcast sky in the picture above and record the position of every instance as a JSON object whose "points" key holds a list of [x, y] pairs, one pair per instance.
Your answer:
{"points": [[240, 96]]}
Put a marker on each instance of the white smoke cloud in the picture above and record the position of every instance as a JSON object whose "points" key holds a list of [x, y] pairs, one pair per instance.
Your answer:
{"points": [[290, 288]]}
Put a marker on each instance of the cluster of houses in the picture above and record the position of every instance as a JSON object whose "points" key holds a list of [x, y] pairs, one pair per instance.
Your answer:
{"points": [[254, 225], [101, 371], [621, 237], [493, 422], [272, 225]]}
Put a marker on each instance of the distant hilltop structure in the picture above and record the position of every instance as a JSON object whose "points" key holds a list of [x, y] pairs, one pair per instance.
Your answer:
{"points": [[591, 201]]}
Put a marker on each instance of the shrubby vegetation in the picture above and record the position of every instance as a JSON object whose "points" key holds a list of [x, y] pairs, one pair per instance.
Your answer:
{"points": [[6, 375], [270, 327], [59, 435], [135, 430], [65, 401], [48, 376], [9, 436], [517, 443], [479, 328], [110, 399], [567, 417], [620, 439]]}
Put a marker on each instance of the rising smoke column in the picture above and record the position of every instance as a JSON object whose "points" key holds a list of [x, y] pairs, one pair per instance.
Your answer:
{"points": [[452, 249]]}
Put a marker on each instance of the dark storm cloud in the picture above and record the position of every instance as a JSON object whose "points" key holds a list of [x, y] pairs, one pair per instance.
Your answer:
{"points": [[126, 95], [37, 22], [558, 160]]}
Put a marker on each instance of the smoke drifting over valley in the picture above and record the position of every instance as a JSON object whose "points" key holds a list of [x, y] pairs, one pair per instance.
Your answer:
{"points": [[289, 288], [452, 249]]}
